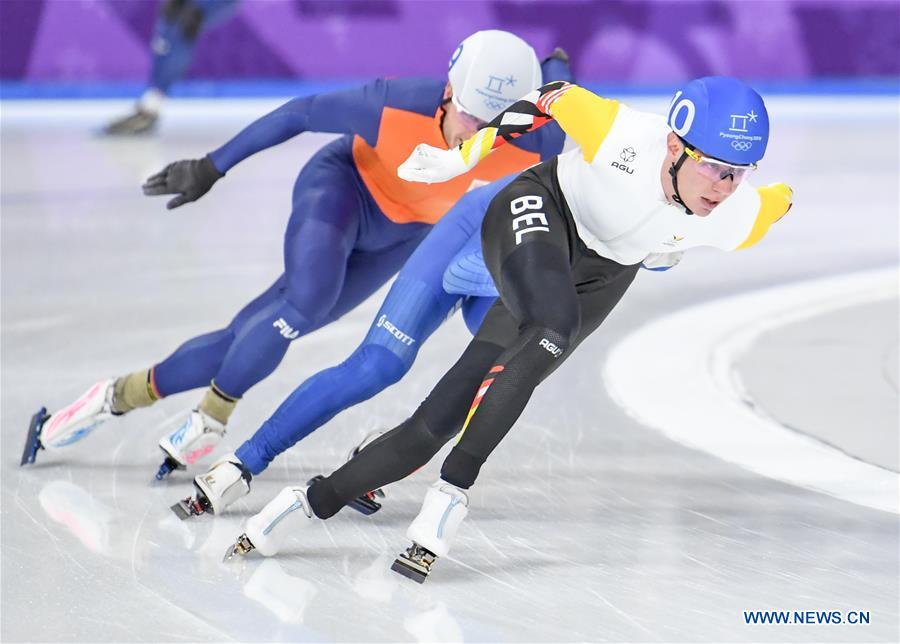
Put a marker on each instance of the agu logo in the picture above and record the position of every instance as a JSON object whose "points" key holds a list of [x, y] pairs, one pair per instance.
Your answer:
{"points": [[552, 348], [627, 155]]}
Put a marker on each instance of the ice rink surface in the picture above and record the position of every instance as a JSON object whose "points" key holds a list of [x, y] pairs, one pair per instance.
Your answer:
{"points": [[584, 526]]}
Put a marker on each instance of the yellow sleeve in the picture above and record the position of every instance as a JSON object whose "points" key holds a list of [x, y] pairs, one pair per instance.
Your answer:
{"points": [[584, 116], [775, 201]]}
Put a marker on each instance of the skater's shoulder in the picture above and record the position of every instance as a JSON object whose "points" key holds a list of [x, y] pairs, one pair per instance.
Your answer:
{"points": [[419, 95]]}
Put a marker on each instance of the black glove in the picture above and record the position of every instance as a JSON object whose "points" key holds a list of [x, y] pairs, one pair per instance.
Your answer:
{"points": [[189, 179]]}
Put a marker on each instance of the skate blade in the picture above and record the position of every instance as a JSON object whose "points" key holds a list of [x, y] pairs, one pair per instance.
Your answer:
{"points": [[409, 570], [167, 467], [33, 440], [187, 508], [365, 505], [240, 548]]}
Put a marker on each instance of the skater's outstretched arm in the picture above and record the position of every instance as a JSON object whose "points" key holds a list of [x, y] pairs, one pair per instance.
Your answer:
{"points": [[353, 111]]}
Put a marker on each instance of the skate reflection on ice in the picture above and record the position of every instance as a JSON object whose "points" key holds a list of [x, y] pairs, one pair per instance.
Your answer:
{"points": [[284, 595], [219, 534], [171, 523], [81, 513], [376, 582], [434, 624]]}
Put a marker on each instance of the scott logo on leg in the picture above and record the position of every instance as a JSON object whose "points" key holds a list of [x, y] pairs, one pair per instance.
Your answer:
{"points": [[394, 331], [285, 329], [530, 222]]}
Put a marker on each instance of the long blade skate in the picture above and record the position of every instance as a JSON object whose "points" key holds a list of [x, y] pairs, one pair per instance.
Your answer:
{"points": [[169, 465], [240, 548], [364, 503], [415, 563], [136, 123], [192, 506], [33, 440]]}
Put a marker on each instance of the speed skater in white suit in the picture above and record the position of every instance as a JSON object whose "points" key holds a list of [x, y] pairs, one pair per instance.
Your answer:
{"points": [[563, 242]]}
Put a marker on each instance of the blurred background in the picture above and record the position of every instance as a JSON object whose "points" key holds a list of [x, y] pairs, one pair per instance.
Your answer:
{"points": [[102, 47]]}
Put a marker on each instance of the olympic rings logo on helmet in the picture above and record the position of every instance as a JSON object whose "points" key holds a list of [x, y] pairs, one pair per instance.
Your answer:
{"points": [[741, 146]]}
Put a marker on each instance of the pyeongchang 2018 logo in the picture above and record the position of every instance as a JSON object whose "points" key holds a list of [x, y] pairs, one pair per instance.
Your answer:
{"points": [[493, 92], [739, 131]]}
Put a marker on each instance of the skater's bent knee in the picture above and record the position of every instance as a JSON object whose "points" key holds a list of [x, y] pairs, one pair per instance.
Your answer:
{"points": [[379, 365]]}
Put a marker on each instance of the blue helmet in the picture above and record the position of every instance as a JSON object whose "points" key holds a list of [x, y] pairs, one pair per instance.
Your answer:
{"points": [[722, 117]]}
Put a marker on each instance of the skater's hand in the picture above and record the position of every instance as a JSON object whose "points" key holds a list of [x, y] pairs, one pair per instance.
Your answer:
{"points": [[428, 164], [189, 179]]}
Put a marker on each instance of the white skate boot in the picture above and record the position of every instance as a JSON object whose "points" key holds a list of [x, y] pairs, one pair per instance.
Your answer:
{"points": [[433, 530], [223, 484], [71, 423], [194, 439], [266, 531]]}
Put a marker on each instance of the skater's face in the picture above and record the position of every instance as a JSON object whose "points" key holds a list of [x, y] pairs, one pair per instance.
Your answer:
{"points": [[700, 190], [457, 125]]}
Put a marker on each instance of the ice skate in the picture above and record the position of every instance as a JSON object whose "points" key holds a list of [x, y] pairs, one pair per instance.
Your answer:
{"points": [[143, 118], [225, 482], [365, 503], [415, 563], [195, 438], [369, 438], [266, 531], [140, 121], [433, 530], [70, 424]]}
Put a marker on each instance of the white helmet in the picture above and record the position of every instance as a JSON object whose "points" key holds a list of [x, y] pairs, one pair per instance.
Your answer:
{"points": [[490, 70]]}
